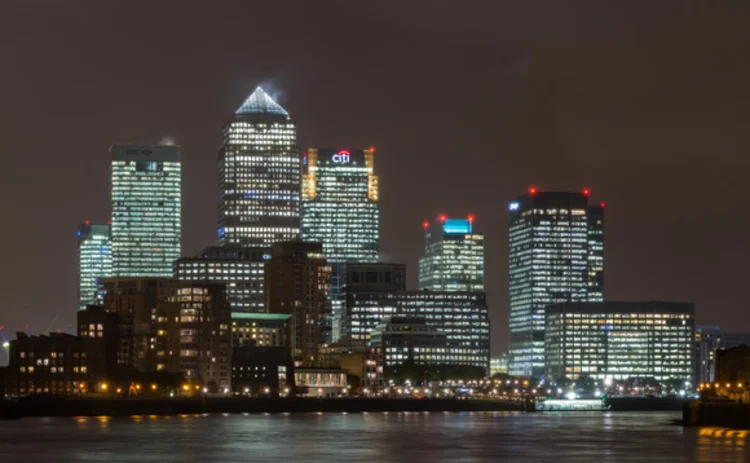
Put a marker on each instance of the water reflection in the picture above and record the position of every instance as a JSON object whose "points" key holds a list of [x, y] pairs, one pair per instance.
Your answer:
{"points": [[554, 437]]}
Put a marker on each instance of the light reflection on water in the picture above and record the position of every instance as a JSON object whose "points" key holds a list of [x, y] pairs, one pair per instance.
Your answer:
{"points": [[553, 437]]}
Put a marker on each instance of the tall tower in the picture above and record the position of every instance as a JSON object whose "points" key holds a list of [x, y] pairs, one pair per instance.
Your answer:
{"points": [[146, 210], [259, 176], [340, 194], [556, 255], [453, 256], [94, 260], [340, 204]]}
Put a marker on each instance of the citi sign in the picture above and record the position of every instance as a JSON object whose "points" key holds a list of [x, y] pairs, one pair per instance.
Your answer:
{"points": [[342, 157]]}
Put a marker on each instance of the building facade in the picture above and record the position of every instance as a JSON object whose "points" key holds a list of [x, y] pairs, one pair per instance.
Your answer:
{"points": [[708, 339], [340, 194], [262, 370], [556, 256], [462, 316], [94, 260], [620, 340], [298, 283], [404, 339], [146, 197], [499, 364], [242, 270], [259, 176], [262, 329], [369, 293], [453, 256]]}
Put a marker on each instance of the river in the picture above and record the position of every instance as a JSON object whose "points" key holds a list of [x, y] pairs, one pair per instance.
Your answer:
{"points": [[371, 437]]}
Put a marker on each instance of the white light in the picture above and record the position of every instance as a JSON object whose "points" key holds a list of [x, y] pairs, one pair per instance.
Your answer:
{"points": [[559, 391], [6, 345], [608, 381], [597, 393], [682, 393], [513, 206], [571, 395]]}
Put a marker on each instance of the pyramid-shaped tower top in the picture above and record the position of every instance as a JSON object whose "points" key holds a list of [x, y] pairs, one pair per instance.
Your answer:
{"points": [[260, 102]]}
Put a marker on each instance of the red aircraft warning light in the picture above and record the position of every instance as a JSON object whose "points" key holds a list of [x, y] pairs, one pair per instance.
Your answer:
{"points": [[532, 190], [471, 218], [372, 148], [586, 192], [602, 204], [443, 218], [425, 224], [88, 222]]}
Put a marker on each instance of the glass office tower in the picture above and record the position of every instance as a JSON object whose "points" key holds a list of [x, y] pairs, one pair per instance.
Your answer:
{"points": [[259, 176], [340, 204], [146, 210], [94, 260], [453, 256], [556, 256], [340, 193]]}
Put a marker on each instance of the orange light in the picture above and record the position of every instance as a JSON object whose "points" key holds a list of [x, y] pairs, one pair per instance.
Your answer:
{"points": [[532, 191], [586, 192]]}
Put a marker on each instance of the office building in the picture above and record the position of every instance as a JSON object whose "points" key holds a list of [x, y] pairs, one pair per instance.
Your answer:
{"points": [[620, 340], [708, 339], [298, 283], [499, 364], [262, 329], [369, 293], [94, 260], [320, 382], [242, 270], [259, 176], [410, 339], [453, 256], [146, 224], [462, 316], [340, 195], [556, 256]]}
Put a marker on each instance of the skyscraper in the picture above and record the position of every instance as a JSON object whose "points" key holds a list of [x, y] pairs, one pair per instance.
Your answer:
{"points": [[556, 256], [453, 256], [340, 195], [94, 260], [259, 176], [146, 196], [340, 204]]}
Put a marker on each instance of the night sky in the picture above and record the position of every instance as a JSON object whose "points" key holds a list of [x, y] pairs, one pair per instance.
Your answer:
{"points": [[468, 103]]}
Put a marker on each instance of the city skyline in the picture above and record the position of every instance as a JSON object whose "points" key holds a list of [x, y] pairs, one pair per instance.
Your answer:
{"points": [[652, 227]]}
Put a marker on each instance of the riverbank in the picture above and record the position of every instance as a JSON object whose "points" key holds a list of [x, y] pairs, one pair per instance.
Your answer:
{"points": [[717, 414], [50, 406]]}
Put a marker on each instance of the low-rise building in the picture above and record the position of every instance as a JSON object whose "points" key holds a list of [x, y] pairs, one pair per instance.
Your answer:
{"points": [[320, 382], [262, 370], [620, 340]]}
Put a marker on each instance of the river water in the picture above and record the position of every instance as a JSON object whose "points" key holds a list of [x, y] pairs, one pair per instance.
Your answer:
{"points": [[371, 437]]}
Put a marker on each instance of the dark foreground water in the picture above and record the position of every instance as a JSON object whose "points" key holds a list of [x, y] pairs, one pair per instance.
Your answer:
{"points": [[372, 437]]}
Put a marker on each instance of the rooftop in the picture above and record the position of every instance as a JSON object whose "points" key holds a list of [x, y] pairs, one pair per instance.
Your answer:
{"points": [[260, 102]]}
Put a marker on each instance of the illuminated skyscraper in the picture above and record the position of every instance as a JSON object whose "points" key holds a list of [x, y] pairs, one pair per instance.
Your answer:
{"points": [[259, 176], [340, 195], [146, 210], [556, 256], [453, 256], [340, 204], [94, 260]]}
